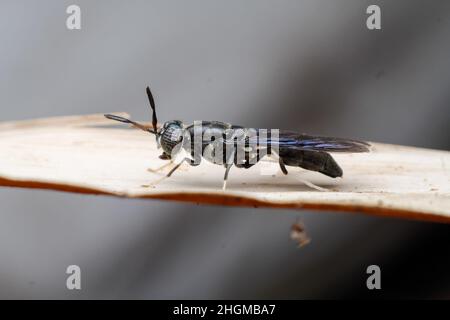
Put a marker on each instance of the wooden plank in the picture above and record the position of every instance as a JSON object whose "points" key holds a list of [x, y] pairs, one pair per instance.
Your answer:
{"points": [[90, 154]]}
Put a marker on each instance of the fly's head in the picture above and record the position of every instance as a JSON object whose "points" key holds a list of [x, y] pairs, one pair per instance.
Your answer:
{"points": [[169, 136]]}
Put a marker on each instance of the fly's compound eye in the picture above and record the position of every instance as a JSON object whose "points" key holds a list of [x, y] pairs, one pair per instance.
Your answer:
{"points": [[176, 135], [171, 136]]}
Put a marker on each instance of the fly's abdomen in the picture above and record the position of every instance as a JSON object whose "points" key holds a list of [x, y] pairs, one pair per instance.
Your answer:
{"points": [[318, 161]]}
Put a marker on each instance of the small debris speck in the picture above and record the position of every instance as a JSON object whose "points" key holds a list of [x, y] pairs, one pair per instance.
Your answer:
{"points": [[298, 234]]}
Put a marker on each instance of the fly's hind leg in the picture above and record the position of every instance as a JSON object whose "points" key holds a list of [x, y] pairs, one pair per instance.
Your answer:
{"points": [[314, 161], [321, 162], [282, 166], [280, 161]]}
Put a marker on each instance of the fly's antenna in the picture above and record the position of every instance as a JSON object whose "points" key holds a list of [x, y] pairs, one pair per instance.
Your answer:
{"points": [[125, 120], [152, 105], [138, 125]]}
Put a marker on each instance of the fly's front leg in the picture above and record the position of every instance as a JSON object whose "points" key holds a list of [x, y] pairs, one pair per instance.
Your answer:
{"points": [[191, 162], [175, 168], [168, 164], [163, 156]]}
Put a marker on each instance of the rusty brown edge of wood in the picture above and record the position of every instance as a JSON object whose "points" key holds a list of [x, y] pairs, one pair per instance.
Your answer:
{"points": [[232, 200]]}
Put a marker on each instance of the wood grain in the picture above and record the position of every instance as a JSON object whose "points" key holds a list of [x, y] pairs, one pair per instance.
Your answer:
{"points": [[91, 155]]}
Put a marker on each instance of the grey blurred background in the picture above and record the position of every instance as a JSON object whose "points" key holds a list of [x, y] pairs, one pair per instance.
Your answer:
{"points": [[311, 66]]}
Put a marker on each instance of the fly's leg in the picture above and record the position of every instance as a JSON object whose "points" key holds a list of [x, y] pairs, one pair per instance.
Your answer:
{"points": [[191, 162], [314, 161], [307, 183], [163, 156], [167, 175], [228, 164], [168, 164], [175, 168], [280, 162], [225, 177], [312, 185], [282, 166]]}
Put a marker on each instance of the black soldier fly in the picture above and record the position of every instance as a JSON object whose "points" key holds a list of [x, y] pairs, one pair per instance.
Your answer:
{"points": [[226, 144]]}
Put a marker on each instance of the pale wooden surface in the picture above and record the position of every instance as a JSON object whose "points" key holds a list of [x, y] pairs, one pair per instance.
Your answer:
{"points": [[90, 154]]}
